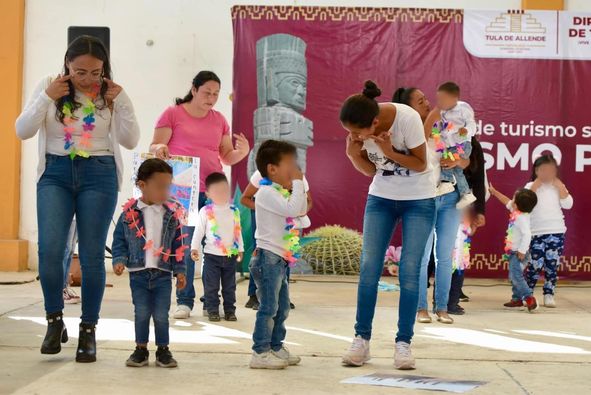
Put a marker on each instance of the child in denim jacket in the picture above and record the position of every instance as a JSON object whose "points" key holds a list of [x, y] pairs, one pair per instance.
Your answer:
{"points": [[149, 243]]}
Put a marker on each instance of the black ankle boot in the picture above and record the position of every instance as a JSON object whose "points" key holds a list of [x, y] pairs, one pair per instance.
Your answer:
{"points": [[56, 334], [86, 351]]}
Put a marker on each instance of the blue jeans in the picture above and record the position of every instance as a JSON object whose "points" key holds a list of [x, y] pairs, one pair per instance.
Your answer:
{"points": [[445, 232], [88, 189], [69, 253], [269, 273], [219, 269], [520, 288], [150, 291], [380, 220], [186, 296]]}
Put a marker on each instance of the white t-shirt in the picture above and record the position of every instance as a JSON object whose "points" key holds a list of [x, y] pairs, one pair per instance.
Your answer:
{"points": [[521, 231], [460, 116], [272, 210], [153, 218], [398, 182], [224, 216], [547, 217]]}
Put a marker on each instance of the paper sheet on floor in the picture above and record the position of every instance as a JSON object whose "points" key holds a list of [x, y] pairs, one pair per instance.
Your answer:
{"points": [[415, 382]]}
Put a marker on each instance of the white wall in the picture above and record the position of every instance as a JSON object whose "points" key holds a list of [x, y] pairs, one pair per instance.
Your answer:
{"points": [[188, 36]]}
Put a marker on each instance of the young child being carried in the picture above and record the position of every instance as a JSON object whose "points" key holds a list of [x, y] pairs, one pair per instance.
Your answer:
{"points": [[219, 223], [452, 135], [517, 244], [148, 242], [278, 217]]}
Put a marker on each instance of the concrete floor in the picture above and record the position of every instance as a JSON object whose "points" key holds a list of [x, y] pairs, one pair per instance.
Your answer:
{"points": [[514, 352]]}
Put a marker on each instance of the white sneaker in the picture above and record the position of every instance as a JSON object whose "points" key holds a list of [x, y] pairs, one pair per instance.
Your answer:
{"points": [[403, 359], [358, 353], [549, 301], [287, 356], [465, 201], [70, 297], [267, 360], [182, 312]]}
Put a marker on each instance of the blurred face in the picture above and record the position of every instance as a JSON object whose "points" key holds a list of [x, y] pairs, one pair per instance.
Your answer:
{"points": [[420, 103], [156, 190], [86, 71], [219, 193], [361, 134], [446, 101], [283, 172], [206, 96], [547, 172]]}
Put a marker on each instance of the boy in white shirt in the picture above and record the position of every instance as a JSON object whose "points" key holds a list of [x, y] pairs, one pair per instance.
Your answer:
{"points": [[517, 244], [456, 129], [219, 223], [278, 218]]}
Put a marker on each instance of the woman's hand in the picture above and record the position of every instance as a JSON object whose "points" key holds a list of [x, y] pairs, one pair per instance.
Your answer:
{"points": [[384, 141], [240, 257], [492, 190], [354, 146], [242, 145], [112, 91], [448, 163], [59, 87], [479, 220], [161, 151]]}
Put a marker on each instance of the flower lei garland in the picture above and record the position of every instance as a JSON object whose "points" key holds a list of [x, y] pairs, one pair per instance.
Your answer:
{"points": [[462, 254], [88, 110], [292, 235], [439, 133], [179, 214], [509, 238], [233, 250]]}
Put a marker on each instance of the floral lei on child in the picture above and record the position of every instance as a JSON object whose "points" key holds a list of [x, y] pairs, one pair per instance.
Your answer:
{"points": [[292, 235], [179, 213], [439, 133], [88, 110], [509, 238], [462, 254], [233, 250]]}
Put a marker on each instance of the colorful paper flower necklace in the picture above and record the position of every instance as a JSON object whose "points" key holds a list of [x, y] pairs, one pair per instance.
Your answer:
{"points": [[233, 250], [438, 132], [132, 216], [292, 235], [463, 256], [87, 127], [509, 238]]}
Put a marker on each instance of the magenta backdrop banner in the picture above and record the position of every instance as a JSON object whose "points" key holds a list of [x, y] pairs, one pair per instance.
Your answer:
{"points": [[525, 103]]}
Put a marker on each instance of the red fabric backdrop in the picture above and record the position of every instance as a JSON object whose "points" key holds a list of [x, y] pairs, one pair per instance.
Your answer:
{"points": [[422, 48]]}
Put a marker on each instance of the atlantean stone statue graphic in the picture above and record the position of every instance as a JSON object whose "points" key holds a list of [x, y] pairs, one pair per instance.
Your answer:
{"points": [[281, 89]]}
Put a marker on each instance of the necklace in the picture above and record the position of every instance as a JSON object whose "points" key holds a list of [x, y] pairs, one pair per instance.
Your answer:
{"points": [[132, 216], [88, 120], [217, 239], [509, 238], [292, 235]]}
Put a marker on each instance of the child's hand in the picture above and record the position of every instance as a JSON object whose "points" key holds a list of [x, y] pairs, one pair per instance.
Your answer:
{"points": [[492, 189], [118, 269], [297, 174], [558, 184], [520, 256], [393, 270], [181, 281], [463, 132], [195, 255], [240, 257]]}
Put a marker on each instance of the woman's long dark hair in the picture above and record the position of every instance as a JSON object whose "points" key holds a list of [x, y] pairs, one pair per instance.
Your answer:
{"points": [[402, 95], [546, 159], [200, 79], [361, 109], [83, 45]]}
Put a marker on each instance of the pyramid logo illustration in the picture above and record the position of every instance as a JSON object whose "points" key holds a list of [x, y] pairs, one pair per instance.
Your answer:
{"points": [[515, 22]]}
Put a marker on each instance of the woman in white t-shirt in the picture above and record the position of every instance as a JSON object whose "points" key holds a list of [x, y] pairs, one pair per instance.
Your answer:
{"points": [[386, 141], [547, 225]]}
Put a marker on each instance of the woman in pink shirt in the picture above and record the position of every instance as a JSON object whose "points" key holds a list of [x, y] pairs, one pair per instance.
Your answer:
{"points": [[192, 127]]}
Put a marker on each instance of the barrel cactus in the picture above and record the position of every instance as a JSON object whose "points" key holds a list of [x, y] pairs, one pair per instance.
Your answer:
{"points": [[337, 250]]}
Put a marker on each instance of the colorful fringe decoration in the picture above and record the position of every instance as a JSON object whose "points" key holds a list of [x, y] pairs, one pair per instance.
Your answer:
{"points": [[87, 127], [292, 235], [233, 250], [509, 238], [439, 133], [132, 217]]}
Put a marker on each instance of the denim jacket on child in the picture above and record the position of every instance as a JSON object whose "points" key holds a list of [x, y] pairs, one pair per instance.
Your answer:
{"points": [[128, 248]]}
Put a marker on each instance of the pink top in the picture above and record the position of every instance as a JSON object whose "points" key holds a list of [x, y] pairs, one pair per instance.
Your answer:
{"points": [[199, 137]]}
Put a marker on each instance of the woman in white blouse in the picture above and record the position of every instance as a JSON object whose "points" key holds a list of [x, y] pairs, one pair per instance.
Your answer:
{"points": [[82, 117]]}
